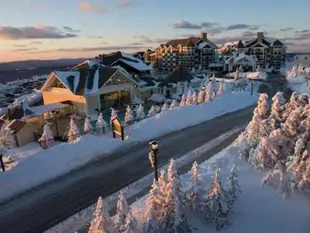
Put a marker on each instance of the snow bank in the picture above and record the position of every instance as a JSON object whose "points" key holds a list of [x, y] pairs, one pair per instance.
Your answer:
{"points": [[296, 78], [258, 209], [62, 158], [250, 75]]}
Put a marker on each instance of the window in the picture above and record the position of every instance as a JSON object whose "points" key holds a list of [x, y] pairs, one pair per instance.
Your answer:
{"points": [[58, 84], [306, 58]]}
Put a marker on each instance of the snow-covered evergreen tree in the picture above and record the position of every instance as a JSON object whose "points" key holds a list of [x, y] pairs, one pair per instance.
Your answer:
{"points": [[194, 98], [87, 126], [277, 108], [196, 193], [189, 98], [7, 139], [174, 104], [276, 178], [221, 88], [102, 223], [129, 118], [304, 183], [183, 101], [130, 224], [201, 96], [47, 136], [164, 107], [151, 112], [233, 186], [101, 124], [122, 210], [153, 209], [74, 131], [291, 126], [297, 169], [209, 92], [140, 113], [218, 204], [173, 219], [291, 105], [113, 115]]}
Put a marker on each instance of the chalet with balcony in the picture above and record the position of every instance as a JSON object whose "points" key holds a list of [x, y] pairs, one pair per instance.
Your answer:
{"points": [[192, 53]]}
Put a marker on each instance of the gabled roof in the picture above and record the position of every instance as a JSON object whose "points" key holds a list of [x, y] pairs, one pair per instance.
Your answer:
{"points": [[239, 45], [111, 59], [277, 42], [179, 74], [183, 42], [88, 81], [237, 57]]}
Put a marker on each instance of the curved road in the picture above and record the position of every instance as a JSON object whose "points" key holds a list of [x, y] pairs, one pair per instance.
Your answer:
{"points": [[42, 207]]}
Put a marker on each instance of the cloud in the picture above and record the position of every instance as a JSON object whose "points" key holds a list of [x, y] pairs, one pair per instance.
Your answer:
{"points": [[241, 26], [95, 37], [187, 25], [286, 29], [248, 33], [93, 49], [302, 31], [70, 29], [124, 3], [19, 45], [36, 42], [88, 7], [24, 50], [30, 32], [146, 39], [136, 43]]}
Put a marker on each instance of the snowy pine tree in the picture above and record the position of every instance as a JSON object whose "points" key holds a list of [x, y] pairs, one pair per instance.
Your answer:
{"points": [[196, 192], [129, 118], [233, 186], [276, 177], [201, 96], [7, 139], [74, 131], [291, 105], [101, 124], [183, 101], [140, 113], [194, 98], [122, 210], [218, 204], [278, 105], [151, 112], [47, 136], [173, 219], [221, 88], [209, 92], [164, 107], [291, 126], [174, 104], [304, 183], [153, 209], [130, 225], [102, 222], [113, 115], [189, 98], [87, 126]]}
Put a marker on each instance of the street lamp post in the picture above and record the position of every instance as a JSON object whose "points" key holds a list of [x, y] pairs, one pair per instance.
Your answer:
{"points": [[2, 163], [153, 158], [252, 87]]}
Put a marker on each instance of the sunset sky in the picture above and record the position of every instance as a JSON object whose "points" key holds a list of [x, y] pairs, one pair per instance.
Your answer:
{"points": [[45, 29]]}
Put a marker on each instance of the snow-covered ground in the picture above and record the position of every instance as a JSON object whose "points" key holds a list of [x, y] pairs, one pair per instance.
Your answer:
{"points": [[59, 159], [250, 75], [297, 79], [258, 209]]}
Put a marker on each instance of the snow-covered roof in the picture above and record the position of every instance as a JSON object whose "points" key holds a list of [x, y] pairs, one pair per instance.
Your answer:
{"points": [[140, 65], [239, 56], [63, 77], [40, 110]]}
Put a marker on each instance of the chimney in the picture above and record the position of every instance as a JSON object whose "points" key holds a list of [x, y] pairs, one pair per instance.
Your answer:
{"points": [[203, 36], [260, 36]]}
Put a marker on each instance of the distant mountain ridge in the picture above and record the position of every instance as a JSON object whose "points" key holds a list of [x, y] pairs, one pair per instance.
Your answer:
{"points": [[10, 71], [30, 64]]}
